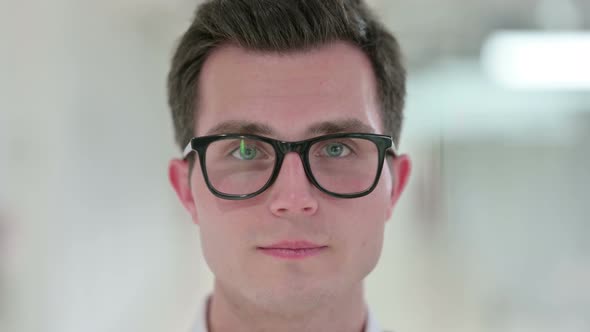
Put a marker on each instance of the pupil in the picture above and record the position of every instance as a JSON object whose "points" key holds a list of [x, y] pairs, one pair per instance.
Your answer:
{"points": [[247, 152], [335, 150]]}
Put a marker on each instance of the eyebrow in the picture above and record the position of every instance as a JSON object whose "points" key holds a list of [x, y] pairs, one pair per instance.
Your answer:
{"points": [[241, 127], [320, 128], [339, 126]]}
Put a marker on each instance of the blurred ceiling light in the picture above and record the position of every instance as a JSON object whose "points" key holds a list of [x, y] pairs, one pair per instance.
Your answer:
{"points": [[538, 60]]}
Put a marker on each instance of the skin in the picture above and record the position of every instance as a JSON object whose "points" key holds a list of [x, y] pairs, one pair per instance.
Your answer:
{"points": [[293, 97]]}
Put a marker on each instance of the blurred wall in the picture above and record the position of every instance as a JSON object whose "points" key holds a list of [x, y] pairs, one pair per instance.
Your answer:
{"points": [[492, 234]]}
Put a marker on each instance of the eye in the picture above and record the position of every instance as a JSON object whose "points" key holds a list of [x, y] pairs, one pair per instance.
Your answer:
{"points": [[335, 150], [247, 151]]}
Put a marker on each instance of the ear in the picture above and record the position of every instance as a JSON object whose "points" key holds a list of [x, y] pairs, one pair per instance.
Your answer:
{"points": [[401, 167], [178, 174]]}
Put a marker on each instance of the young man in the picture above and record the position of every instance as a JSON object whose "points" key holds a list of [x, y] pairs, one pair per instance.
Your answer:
{"points": [[288, 113]]}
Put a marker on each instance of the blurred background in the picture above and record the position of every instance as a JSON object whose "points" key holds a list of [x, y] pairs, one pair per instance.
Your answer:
{"points": [[492, 234]]}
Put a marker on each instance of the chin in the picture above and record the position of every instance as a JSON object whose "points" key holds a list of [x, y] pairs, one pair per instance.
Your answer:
{"points": [[296, 295], [292, 300]]}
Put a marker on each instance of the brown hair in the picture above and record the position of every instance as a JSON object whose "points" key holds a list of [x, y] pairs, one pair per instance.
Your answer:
{"points": [[284, 26]]}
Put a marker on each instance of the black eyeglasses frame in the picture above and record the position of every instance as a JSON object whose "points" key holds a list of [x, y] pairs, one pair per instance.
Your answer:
{"points": [[199, 145]]}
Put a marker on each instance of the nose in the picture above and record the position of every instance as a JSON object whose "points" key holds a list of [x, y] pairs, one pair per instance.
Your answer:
{"points": [[291, 194]]}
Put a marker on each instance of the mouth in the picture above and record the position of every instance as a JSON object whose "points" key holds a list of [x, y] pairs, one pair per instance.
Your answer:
{"points": [[292, 249]]}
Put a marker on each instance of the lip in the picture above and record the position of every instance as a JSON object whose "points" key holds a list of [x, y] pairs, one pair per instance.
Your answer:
{"points": [[292, 249], [298, 244]]}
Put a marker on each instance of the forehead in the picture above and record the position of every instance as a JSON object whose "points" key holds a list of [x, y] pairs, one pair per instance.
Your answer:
{"points": [[288, 93]]}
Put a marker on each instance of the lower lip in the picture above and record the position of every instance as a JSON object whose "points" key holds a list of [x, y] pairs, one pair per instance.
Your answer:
{"points": [[292, 253]]}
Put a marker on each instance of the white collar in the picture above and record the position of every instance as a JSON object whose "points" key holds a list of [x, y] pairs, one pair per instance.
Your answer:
{"points": [[201, 323]]}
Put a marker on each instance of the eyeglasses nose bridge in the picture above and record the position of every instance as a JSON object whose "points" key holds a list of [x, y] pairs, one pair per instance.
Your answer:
{"points": [[286, 147], [297, 147]]}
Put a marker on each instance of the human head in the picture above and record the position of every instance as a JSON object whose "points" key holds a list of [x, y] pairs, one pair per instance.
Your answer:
{"points": [[287, 65]]}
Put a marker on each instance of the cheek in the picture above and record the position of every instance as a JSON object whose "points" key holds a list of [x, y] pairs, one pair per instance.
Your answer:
{"points": [[368, 242], [366, 230], [228, 232], [224, 240], [363, 226], [219, 233]]}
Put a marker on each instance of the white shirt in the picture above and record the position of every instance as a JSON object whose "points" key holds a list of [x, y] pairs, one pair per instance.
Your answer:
{"points": [[201, 323]]}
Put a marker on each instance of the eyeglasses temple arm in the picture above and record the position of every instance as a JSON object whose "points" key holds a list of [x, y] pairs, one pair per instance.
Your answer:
{"points": [[187, 150], [393, 149]]}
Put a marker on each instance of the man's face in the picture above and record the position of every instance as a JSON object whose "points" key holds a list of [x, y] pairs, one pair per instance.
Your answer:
{"points": [[289, 93]]}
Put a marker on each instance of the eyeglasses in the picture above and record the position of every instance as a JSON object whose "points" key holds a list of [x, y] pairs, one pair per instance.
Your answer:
{"points": [[239, 166]]}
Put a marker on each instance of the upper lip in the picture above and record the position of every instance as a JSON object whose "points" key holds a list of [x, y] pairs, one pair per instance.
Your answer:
{"points": [[299, 244]]}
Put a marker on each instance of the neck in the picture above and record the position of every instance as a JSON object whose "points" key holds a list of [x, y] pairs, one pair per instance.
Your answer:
{"points": [[344, 312]]}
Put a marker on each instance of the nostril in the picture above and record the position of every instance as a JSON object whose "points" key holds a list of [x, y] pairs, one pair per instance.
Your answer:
{"points": [[308, 210]]}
